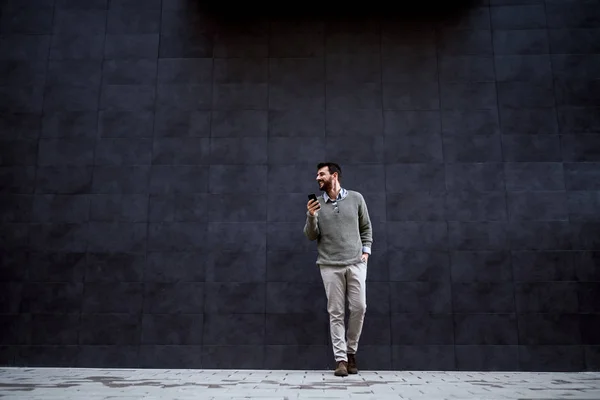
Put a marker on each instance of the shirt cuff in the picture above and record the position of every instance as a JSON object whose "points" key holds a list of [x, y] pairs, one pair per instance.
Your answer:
{"points": [[366, 249]]}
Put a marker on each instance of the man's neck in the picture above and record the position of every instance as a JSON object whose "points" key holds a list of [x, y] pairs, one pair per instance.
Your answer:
{"points": [[334, 192]]}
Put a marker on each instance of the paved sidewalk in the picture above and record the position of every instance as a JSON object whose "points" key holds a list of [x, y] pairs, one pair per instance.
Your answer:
{"points": [[130, 384]]}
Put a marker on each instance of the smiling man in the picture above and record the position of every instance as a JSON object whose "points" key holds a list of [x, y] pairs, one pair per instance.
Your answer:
{"points": [[339, 221]]}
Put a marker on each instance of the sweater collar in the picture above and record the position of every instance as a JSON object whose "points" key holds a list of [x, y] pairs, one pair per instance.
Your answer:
{"points": [[343, 193]]}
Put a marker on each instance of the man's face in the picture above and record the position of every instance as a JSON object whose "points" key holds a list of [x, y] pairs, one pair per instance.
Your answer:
{"points": [[324, 179]]}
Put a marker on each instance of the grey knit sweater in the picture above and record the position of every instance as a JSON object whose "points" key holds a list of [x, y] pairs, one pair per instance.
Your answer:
{"points": [[342, 231]]}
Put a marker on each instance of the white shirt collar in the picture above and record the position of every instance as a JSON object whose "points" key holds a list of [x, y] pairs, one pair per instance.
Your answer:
{"points": [[342, 194]]}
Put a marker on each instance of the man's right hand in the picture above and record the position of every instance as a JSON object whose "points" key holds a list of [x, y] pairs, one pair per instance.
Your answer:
{"points": [[313, 206]]}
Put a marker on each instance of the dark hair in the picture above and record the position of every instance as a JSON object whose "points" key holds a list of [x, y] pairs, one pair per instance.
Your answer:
{"points": [[333, 167]]}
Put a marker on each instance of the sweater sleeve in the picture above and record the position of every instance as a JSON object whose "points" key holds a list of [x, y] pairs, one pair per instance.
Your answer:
{"points": [[364, 225], [311, 227]]}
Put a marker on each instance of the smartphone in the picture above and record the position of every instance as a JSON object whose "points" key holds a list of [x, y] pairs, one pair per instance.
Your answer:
{"points": [[312, 196]]}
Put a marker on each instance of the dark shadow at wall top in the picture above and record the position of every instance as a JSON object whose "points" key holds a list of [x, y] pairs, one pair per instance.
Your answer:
{"points": [[221, 15]]}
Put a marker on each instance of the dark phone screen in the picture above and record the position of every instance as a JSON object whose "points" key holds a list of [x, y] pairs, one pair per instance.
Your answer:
{"points": [[312, 196]]}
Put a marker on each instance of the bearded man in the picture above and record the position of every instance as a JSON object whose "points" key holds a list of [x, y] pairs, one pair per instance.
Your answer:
{"points": [[339, 221]]}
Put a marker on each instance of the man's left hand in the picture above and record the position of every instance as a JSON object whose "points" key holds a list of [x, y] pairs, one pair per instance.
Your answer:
{"points": [[365, 257]]}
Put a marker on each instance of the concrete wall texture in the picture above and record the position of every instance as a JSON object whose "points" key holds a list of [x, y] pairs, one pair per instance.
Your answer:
{"points": [[155, 160]]}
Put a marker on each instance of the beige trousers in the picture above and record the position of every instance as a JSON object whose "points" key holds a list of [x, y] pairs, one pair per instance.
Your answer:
{"points": [[339, 282]]}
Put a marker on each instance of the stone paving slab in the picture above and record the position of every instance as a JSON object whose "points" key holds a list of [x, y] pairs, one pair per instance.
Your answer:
{"points": [[182, 384]]}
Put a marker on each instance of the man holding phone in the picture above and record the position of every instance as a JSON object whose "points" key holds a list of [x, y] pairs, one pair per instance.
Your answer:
{"points": [[339, 221]]}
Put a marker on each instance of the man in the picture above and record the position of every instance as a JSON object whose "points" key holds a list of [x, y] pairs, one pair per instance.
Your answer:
{"points": [[339, 221]]}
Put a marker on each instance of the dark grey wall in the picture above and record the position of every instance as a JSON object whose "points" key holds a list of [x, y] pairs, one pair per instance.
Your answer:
{"points": [[155, 161]]}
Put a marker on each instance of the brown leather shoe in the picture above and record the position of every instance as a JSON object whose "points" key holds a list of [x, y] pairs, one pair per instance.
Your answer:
{"points": [[352, 367], [342, 369]]}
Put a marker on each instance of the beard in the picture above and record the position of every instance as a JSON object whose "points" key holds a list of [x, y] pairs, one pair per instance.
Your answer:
{"points": [[326, 186]]}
